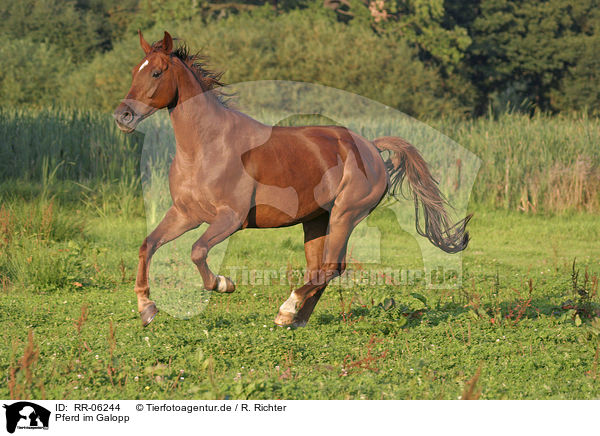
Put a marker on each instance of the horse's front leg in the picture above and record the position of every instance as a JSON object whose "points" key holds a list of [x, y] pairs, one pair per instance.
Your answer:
{"points": [[173, 225], [226, 223]]}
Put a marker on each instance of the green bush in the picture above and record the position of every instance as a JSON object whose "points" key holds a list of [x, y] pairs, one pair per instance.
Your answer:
{"points": [[31, 72], [79, 27], [103, 82], [304, 45]]}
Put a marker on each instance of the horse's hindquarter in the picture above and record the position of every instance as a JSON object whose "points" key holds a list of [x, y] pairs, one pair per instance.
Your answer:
{"points": [[300, 171]]}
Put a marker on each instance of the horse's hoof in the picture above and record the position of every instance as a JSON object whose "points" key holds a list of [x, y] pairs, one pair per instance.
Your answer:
{"points": [[148, 314], [225, 285], [287, 312], [285, 319]]}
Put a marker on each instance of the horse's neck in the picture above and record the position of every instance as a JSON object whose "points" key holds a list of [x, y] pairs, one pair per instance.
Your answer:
{"points": [[200, 121], [195, 118]]}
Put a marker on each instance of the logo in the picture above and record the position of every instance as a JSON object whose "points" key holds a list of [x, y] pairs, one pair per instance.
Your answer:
{"points": [[26, 415]]}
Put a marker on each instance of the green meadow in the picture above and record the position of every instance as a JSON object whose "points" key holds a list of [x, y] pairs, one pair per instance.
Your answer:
{"points": [[524, 324]]}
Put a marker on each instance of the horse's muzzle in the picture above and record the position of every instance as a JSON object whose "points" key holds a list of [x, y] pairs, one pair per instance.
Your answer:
{"points": [[126, 118]]}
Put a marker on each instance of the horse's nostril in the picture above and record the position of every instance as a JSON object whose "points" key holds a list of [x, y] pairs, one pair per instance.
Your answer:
{"points": [[126, 117]]}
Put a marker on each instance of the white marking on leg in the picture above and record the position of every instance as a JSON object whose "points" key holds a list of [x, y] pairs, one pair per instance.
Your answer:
{"points": [[290, 304], [143, 65], [221, 284]]}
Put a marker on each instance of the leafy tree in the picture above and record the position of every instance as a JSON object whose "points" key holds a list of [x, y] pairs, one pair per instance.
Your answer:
{"points": [[521, 50], [116, 16], [580, 87], [31, 72], [464, 55], [104, 81], [303, 45], [58, 22], [421, 23], [162, 13]]}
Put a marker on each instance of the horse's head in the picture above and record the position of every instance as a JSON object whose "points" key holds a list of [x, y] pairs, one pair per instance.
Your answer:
{"points": [[153, 86]]}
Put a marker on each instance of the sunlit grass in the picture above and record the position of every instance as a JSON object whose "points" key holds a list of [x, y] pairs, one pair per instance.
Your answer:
{"points": [[508, 317]]}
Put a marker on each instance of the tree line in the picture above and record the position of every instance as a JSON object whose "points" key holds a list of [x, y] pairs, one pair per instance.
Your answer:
{"points": [[425, 57]]}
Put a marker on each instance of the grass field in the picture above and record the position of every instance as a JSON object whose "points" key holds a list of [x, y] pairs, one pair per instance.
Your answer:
{"points": [[518, 321], [524, 323]]}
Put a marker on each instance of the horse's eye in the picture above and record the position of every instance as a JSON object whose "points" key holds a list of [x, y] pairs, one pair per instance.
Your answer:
{"points": [[156, 73]]}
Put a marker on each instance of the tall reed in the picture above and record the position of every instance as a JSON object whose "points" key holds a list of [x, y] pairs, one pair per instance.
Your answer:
{"points": [[539, 164]]}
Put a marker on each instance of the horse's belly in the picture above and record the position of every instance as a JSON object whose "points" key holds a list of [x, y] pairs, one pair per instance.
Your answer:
{"points": [[285, 209]]}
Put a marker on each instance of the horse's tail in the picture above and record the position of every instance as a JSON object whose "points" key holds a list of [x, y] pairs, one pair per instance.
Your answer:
{"points": [[407, 162]]}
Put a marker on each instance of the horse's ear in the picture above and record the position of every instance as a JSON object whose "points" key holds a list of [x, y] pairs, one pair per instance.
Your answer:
{"points": [[167, 43], [145, 46]]}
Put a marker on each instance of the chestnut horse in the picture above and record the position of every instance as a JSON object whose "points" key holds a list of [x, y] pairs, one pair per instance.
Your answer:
{"points": [[233, 172]]}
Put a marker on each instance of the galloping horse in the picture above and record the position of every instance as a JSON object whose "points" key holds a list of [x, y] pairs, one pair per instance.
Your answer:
{"points": [[233, 172]]}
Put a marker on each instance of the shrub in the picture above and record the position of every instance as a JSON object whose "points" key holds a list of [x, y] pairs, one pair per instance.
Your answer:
{"points": [[301, 46], [31, 72]]}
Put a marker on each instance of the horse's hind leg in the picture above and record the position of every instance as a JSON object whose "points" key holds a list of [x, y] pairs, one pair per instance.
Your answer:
{"points": [[315, 232], [351, 206], [172, 226], [332, 264]]}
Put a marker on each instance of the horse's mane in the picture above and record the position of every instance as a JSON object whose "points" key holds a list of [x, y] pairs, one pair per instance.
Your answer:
{"points": [[210, 80]]}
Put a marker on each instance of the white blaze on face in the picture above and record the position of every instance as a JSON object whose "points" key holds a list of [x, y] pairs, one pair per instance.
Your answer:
{"points": [[143, 65]]}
